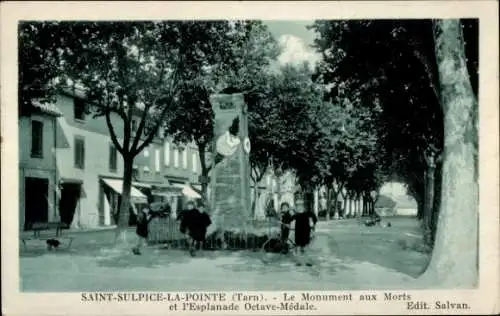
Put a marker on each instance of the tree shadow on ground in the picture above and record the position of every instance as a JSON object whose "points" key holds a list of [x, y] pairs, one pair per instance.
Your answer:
{"points": [[150, 258], [32, 253], [379, 246], [40, 249], [274, 263]]}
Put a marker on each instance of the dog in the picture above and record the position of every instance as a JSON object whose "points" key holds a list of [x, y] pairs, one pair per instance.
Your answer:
{"points": [[52, 243]]}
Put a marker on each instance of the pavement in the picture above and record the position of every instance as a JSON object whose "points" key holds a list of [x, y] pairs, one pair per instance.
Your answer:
{"points": [[346, 256]]}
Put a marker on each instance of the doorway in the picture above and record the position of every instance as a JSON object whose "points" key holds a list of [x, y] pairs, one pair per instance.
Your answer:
{"points": [[36, 205], [70, 194]]}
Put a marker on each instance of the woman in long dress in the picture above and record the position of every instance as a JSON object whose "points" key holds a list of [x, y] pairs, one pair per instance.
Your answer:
{"points": [[303, 227]]}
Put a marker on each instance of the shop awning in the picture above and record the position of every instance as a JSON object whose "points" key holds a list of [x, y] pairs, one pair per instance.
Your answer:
{"points": [[188, 191], [167, 191], [135, 195], [141, 185]]}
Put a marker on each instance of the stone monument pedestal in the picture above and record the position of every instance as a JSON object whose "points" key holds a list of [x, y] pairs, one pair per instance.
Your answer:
{"points": [[230, 179]]}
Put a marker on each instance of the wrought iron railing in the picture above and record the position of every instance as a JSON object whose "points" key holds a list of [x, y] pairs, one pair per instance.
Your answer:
{"points": [[166, 231]]}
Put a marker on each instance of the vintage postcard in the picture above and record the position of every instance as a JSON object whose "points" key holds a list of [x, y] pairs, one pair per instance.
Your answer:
{"points": [[264, 158]]}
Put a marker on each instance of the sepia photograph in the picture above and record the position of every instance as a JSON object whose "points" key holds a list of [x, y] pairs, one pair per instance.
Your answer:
{"points": [[240, 155]]}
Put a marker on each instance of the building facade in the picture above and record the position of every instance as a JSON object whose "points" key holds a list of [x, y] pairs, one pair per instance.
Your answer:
{"points": [[38, 166], [68, 155]]}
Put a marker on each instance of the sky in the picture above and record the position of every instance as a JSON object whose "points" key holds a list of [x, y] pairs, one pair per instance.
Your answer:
{"points": [[295, 39]]}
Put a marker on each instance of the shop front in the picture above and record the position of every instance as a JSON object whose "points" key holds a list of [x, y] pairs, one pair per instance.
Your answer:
{"points": [[111, 190]]}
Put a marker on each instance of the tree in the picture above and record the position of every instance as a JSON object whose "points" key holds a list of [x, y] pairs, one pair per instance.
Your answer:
{"points": [[454, 260], [286, 101], [135, 69], [423, 102], [39, 62], [365, 58], [244, 52]]}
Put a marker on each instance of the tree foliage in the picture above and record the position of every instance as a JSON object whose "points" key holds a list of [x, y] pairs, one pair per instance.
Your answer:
{"points": [[38, 62], [393, 63], [129, 70], [246, 50], [388, 68]]}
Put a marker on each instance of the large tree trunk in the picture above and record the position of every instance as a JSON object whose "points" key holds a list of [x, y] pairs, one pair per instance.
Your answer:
{"points": [[336, 194], [345, 206], [429, 202], [349, 197], [420, 206], [123, 215], [356, 205], [365, 205], [328, 200], [436, 203], [359, 203], [204, 170], [454, 259]]}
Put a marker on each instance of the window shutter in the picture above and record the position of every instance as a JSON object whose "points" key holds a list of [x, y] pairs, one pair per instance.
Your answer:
{"points": [[167, 153], [185, 157], [36, 139], [157, 160]]}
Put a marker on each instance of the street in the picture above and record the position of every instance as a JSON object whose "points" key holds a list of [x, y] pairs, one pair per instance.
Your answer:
{"points": [[347, 256]]}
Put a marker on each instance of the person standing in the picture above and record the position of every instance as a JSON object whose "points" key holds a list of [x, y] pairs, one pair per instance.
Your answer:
{"points": [[286, 219], [303, 227], [144, 216], [194, 224]]}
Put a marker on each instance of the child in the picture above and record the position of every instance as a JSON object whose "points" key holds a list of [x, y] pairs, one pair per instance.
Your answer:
{"points": [[303, 227], [144, 216], [286, 219], [194, 223]]}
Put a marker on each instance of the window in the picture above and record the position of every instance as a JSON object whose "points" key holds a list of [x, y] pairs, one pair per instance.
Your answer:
{"points": [[146, 152], [167, 153], [157, 160], [185, 158], [195, 161], [79, 109], [112, 158], [79, 152], [176, 157], [36, 139]]}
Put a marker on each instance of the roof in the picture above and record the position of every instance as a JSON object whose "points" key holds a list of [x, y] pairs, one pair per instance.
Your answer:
{"points": [[47, 108]]}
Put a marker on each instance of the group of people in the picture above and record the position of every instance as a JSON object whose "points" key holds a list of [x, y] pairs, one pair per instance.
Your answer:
{"points": [[305, 223], [194, 221]]}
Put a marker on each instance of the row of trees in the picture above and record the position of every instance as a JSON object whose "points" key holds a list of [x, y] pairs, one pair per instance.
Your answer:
{"points": [[418, 81], [384, 103], [167, 70]]}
